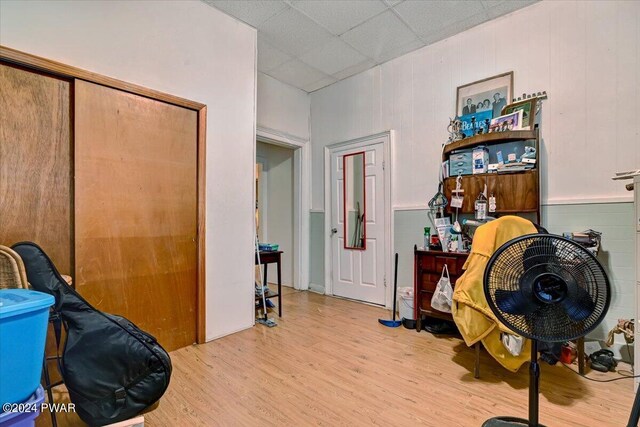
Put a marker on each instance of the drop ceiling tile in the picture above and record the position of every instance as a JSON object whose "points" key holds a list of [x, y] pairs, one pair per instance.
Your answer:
{"points": [[399, 51], [358, 68], [491, 3], [326, 81], [379, 35], [333, 57], [340, 16], [425, 17], [293, 33], [453, 29], [253, 12], [499, 8], [297, 73], [269, 57]]}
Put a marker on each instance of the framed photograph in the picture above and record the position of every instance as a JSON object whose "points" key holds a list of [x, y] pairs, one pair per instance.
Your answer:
{"points": [[488, 96], [528, 107], [507, 122]]}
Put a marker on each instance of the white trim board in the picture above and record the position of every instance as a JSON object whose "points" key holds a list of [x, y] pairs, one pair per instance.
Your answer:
{"points": [[301, 199], [265, 201], [589, 201], [387, 138], [553, 202]]}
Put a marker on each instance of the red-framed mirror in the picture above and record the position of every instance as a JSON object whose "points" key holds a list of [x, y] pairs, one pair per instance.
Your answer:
{"points": [[353, 203]]}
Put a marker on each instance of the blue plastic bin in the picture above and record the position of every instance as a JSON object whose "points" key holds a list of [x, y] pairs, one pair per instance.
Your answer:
{"points": [[27, 418], [24, 316]]}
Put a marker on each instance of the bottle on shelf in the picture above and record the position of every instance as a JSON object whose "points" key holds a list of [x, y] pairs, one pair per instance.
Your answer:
{"points": [[427, 238], [481, 207]]}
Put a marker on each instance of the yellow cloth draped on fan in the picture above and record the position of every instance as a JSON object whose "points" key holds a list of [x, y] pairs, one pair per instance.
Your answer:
{"points": [[470, 310]]}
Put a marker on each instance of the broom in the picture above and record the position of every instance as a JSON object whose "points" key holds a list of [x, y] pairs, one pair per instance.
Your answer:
{"points": [[393, 323]]}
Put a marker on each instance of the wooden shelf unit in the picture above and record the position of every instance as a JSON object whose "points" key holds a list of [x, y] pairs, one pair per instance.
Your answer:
{"points": [[515, 192]]}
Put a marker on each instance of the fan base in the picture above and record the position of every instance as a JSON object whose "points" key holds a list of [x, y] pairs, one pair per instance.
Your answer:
{"points": [[508, 422]]}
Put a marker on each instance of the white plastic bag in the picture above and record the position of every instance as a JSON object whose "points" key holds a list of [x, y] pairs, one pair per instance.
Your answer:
{"points": [[443, 295], [513, 343]]}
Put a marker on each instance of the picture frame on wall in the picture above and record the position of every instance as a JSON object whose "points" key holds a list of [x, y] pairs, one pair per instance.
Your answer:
{"points": [[528, 108], [485, 98], [512, 121]]}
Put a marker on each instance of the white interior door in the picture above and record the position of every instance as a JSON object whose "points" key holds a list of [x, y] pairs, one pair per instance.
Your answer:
{"points": [[358, 267]]}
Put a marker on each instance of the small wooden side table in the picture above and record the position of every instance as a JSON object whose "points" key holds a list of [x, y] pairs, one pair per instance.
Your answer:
{"points": [[271, 257]]}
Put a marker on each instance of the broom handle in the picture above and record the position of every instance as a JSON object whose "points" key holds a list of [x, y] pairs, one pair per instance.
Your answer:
{"points": [[395, 286]]}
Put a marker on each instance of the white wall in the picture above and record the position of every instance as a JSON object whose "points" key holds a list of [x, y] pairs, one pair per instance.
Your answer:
{"points": [[283, 108], [586, 55], [279, 215], [188, 49]]}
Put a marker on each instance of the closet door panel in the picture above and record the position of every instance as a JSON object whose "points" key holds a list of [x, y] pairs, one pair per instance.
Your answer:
{"points": [[136, 210], [35, 162]]}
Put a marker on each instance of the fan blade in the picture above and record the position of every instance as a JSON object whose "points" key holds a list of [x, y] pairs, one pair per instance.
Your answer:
{"points": [[580, 307], [514, 302]]}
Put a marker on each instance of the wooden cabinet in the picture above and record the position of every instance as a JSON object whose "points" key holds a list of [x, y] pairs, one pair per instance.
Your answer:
{"points": [[428, 267], [516, 192]]}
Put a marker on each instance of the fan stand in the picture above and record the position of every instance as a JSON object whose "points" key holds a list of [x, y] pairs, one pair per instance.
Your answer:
{"points": [[534, 396]]}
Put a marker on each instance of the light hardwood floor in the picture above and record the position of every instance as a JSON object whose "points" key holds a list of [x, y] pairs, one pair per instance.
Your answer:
{"points": [[329, 362]]}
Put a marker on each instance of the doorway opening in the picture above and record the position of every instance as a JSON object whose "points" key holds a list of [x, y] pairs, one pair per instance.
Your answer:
{"points": [[274, 205], [283, 201]]}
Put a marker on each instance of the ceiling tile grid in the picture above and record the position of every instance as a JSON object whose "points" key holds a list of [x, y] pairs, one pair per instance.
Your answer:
{"points": [[333, 57], [342, 15], [293, 32], [311, 44], [269, 57], [379, 35], [253, 12]]}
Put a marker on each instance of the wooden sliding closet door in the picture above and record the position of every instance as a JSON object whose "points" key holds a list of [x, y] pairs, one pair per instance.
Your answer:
{"points": [[136, 210], [35, 162]]}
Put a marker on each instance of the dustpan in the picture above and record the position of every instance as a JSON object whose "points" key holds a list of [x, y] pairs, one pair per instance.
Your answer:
{"points": [[393, 323]]}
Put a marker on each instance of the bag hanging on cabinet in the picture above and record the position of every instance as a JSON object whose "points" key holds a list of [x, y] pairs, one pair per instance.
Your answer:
{"points": [[443, 295]]}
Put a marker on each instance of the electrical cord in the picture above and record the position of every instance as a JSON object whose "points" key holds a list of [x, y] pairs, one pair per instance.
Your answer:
{"points": [[623, 377]]}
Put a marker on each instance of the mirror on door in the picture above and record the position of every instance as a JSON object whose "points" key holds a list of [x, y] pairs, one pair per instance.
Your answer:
{"points": [[354, 201]]}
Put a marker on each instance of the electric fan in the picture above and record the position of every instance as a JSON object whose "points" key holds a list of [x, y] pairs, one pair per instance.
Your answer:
{"points": [[545, 288]]}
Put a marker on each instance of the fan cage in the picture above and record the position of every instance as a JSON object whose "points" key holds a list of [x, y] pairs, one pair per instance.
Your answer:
{"points": [[584, 306]]}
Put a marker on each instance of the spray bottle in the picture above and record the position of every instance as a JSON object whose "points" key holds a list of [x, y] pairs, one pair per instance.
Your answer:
{"points": [[427, 238]]}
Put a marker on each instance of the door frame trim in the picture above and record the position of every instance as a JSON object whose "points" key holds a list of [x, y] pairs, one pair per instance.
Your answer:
{"points": [[301, 199], [265, 201], [387, 138], [33, 62]]}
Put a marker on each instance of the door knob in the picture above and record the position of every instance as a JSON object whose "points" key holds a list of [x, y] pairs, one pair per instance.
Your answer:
{"points": [[334, 230]]}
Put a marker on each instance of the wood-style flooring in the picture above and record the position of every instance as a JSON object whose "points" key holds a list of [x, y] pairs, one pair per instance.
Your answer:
{"points": [[329, 363]]}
